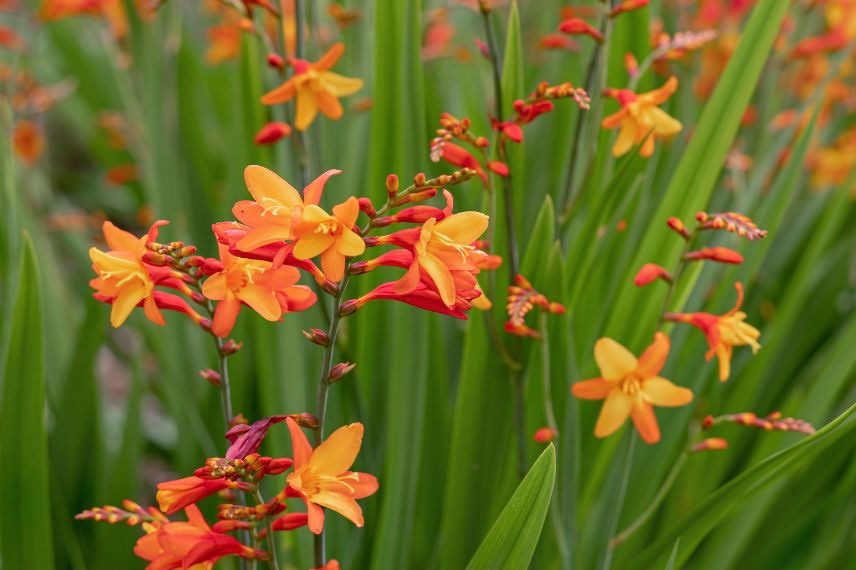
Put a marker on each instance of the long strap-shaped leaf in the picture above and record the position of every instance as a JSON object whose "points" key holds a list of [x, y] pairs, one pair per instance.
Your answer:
{"points": [[25, 526], [514, 536]]}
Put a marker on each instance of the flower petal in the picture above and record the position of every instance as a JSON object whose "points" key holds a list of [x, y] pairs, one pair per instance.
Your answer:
{"points": [[341, 86], [664, 124], [312, 193], [615, 361], [307, 108], [338, 452], [333, 264], [312, 244], [654, 357], [661, 392], [261, 300], [646, 423], [300, 449], [128, 298], [441, 276], [265, 183], [626, 138], [225, 316], [594, 389], [118, 239], [342, 504], [280, 94], [330, 58], [347, 211], [350, 244], [328, 104], [613, 414], [463, 227]]}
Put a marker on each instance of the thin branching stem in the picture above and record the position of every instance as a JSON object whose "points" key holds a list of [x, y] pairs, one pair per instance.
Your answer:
{"points": [[273, 561], [622, 491]]}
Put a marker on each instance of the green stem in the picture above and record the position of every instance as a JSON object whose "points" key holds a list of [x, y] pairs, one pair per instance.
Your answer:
{"points": [[273, 562], [655, 502], [619, 503], [676, 274]]}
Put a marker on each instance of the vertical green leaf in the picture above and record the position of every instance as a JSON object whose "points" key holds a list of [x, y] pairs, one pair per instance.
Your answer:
{"points": [[514, 536], [25, 525]]}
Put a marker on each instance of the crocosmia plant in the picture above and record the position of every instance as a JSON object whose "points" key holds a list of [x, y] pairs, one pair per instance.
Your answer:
{"points": [[440, 284]]}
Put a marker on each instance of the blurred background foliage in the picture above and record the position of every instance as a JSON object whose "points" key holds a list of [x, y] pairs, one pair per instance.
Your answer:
{"points": [[154, 125]]}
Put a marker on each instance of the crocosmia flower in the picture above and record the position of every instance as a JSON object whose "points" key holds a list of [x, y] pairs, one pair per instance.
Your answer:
{"points": [[331, 237], [123, 279], [321, 476], [188, 544], [723, 332], [268, 290], [315, 87], [640, 117], [631, 387], [177, 494]]}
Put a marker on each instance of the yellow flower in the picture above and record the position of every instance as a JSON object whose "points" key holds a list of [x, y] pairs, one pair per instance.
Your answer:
{"points": [[316, 88], [640, 117], [322, 478], [631, 387], [331, 237]]}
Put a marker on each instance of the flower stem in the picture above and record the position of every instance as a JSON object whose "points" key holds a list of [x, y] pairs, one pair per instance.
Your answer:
{"points": [[622, 491], [516, 373], [676, 274], [652, 506], [273, 562]]}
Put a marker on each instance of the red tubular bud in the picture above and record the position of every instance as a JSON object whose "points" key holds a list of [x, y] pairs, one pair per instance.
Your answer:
{"points": [[544, 435], [305, 419], [482, 142], [317, 336], [195, 261], [420, 179], [417, 196], [349, 307], [187, 251], [275, 61], [556, 308], [575, 26], [231, 347], [205, 324], [339, 370], [367, 207], [272, 132], [372, 241], [197, 297], [212, 377], [718, 254], [499, 167], [382, 223], [711, 443], [678, 227], [707, 422], [627, 6], [651, 272]]}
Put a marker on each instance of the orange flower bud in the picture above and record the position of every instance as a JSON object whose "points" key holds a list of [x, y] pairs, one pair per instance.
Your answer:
{"points": [[649, 273], [339, 370], [275, 61], [556, 308], [544, 435], [627, 6], [707, 422], [719, 254], [631, 65], [678, 227], [367, 207], [711, 443]]}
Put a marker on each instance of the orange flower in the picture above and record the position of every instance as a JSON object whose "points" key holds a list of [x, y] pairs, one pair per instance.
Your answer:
{"points": [[723, 332], [322, 478], [443, 247], [268, 290], [331, 237], [631, 387], [174, 495], [111, 10], [277, 207], [123, 279], [316, 88], [188, 544], [28, 141], [640, 117]]}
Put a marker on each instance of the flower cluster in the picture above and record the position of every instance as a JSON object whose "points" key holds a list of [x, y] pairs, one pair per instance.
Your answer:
{"points": [[320, 477], [522, 298]]}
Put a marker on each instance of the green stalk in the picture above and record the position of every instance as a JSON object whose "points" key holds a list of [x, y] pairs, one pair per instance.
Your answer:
{"points": [[273, 562], [622, 491]]}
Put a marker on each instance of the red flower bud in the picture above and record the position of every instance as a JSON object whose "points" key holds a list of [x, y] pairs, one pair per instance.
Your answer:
{"points": [[272, 132], [649, 273], [305, 420], [367, 207], [544, 435], [392, 185], [211, 376], [231, 347], [275, 61], [711, 443], [317, 336], [719, 254], [575, 26], [678, 227]]}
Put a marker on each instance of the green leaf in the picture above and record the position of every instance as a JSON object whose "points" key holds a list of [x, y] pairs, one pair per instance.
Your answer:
{"points": [[25, 525], [514, 536], [692, 528]]}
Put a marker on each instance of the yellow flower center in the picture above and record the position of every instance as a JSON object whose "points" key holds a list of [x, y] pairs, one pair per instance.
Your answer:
{"points": [[734, 331], [274, 208], [330, 227], [243, 273]]}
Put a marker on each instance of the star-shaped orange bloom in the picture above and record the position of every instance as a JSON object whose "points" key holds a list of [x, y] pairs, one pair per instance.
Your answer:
{"points": [[316, 88], [322, 478], [723, 332], [443, 247], [122, 276], [640, 117], [267, 290], [331, 237], [631, 387]]}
